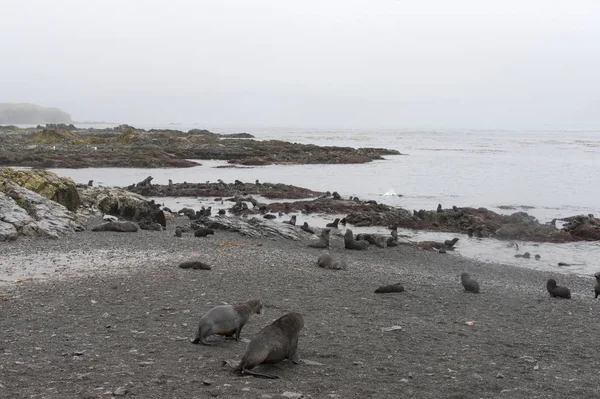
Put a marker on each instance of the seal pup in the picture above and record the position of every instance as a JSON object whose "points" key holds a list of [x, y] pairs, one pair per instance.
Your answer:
{"points": [[469, 284], [343, 221], [307, 228], [270, 216], [222, 212], [351, 243], [203, 232], [178, 231], [273, 344], [537, 257], [439, 208], [292, 221], [385, 289], [323, 241], [90, 183], [335, 195], [194, 265], [557, 290], [333, 224], [597, 287], [329, 261], [226, 320]]}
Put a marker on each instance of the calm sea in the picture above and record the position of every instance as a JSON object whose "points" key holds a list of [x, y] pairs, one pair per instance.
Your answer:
{"points": [[549, 174]]}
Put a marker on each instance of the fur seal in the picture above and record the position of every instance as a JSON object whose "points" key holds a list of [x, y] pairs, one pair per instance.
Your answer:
{"points": [[226, 320], [195, 265], [557, 290], [323, 241], [351, 243], [372, 239], [335, 195], [203, 232], [270, 216], [469, 284], [178, 231], [90, 183], [333, 224], [273, 344], [222, 212], [307, 228], [537, 257], [122, 227], [450, 243], [329, 261], [385, 289], [292, 221], [439, 208], [597, 287], [343, 221], [526, 255]]}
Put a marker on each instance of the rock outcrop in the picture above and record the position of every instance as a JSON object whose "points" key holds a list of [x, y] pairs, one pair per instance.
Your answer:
{"points": [[124, 204], [25, 213], [254, 227], [59, 189]]}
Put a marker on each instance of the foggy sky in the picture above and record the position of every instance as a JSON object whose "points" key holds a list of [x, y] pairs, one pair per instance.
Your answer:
{"points": [[305, 63]]}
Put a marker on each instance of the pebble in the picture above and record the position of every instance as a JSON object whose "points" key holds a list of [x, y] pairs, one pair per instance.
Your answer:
{"points": [[120, 391]]}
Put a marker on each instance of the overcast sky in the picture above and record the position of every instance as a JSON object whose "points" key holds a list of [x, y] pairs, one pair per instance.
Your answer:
{"points": [[307, 63]]}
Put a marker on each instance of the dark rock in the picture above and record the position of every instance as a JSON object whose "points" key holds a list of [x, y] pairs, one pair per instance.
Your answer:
{"points": [[385, 289]]}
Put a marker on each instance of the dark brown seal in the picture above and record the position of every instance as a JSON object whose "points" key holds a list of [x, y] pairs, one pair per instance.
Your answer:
{"points": [[385, 289], [178, 231], [557, 290], [597, 287], [292, 221], [333, 224], [469, 284], [450, 243], [203, 232], [273, 344], [122, 227], [351, 243], [226, 320], [194, 265], [307, 228]]}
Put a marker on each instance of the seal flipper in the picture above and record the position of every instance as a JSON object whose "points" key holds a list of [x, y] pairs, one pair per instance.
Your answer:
{"points": [[294, 357], [263, 375]]}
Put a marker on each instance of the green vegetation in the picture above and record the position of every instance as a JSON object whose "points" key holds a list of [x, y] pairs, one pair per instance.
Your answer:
{"points": [[23, 113]]}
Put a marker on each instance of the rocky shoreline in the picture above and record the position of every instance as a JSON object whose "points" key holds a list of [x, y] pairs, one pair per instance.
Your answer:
{"points": [[66, 146]]}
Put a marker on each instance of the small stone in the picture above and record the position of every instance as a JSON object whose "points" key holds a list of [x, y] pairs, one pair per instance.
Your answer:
{"points": [[292, 395], [105, 315], [499, 375], [536, 367], [120, 391], [245, 389], [207, 382], [405, 380]]}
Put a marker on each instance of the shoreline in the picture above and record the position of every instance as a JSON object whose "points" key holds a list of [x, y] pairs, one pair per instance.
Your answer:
{"points": [[127, 325]]}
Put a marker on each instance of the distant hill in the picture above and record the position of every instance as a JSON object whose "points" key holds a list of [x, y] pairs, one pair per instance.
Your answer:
{"points": [[15, 113]]}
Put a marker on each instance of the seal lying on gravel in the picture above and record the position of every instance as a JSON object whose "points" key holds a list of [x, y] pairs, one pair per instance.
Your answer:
{"points": [[203, 232], [351, 243], [273, 344], [194, 265], [178, 231], [323, 242], [122, 227], [557, 290], [597, 287], [329, 261], [226, 320], [384, 289], [469, 284], [450, 243]]}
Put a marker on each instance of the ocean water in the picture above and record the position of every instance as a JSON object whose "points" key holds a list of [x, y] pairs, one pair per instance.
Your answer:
{"points": [[549, 174]]}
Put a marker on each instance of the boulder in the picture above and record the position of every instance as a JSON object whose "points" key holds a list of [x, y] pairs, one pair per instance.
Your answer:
{"points": [[254, 227], [60, 189], [23, 212], [125, 204]]}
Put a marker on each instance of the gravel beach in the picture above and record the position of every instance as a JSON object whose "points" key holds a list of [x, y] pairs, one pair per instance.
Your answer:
{"points": [[113, 312]]}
